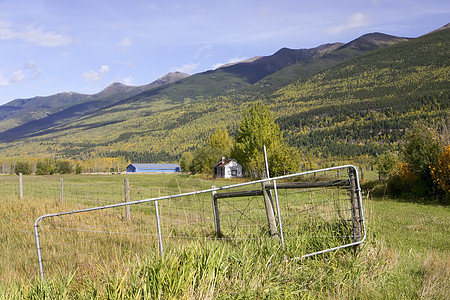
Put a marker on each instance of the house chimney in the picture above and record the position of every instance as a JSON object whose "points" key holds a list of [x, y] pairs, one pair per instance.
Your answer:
{"points": [[223, 159]]}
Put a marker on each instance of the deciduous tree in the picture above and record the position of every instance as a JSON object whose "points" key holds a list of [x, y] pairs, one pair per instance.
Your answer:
{"points": [[256, 129], [386, 164]]}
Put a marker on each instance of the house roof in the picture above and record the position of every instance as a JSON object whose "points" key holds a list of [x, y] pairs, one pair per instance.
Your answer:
{"points": [[155, 166], [224, 162]]}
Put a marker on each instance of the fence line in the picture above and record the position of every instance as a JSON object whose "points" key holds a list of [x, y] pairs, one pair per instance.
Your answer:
{"points": [[304, 207]]}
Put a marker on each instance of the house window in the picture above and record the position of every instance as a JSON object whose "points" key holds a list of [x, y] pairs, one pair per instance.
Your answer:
{"points": [[233, 172]]}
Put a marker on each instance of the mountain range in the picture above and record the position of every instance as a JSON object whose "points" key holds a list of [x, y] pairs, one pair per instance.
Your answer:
{"points": [[177, 112]]}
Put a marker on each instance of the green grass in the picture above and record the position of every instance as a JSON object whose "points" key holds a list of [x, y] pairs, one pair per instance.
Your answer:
{"points": [[406, 256]]}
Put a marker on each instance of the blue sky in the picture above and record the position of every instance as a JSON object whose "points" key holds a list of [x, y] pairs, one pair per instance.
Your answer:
{"points": [[51, 46]]}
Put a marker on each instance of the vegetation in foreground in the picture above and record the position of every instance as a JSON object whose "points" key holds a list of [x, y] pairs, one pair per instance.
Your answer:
{"points": [[406, 256]]}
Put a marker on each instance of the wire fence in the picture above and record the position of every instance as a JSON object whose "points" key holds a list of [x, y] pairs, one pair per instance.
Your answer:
{"points": [[306, 213]]}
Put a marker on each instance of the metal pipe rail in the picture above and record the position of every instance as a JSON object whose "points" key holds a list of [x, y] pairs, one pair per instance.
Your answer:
{"points": [[358, 191]]}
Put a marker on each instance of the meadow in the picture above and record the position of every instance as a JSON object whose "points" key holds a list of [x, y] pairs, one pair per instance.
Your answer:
{"points": [[406, 254]]}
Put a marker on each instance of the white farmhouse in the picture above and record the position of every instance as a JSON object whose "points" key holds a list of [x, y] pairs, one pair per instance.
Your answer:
{"points": [[227, 168]]}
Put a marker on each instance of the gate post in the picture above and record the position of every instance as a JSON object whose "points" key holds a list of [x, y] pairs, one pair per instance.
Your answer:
{"points": [[61, 191], [356, 210], [127, 199], [216, 212], [269, 211], [20, 186]]}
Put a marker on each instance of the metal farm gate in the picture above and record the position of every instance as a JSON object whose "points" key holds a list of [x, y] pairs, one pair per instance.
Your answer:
{"points": [[308, 213]]}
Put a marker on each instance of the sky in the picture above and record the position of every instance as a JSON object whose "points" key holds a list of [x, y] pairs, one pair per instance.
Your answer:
{"points": [[53, 46]]}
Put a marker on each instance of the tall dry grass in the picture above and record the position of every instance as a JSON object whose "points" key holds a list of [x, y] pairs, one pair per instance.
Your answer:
{"points": [[130, 267]]}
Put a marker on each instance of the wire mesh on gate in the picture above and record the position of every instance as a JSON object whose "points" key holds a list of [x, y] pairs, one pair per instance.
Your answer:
{"points": [[318, 214]]}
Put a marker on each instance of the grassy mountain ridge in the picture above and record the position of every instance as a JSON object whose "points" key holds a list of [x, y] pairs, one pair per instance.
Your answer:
{"points": [[345, 102], [25, 116]]}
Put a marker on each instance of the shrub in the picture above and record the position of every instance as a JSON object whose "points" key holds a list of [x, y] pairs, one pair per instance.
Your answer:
{"points": [[78, 169], [64, 167], [441, 171], [421, 151], [402, 181], [23, 167], [386, 164], [45, 167], [186, 161]]}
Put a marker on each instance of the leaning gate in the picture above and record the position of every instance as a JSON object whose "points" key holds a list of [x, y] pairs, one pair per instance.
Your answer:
{"points": [[306, 213]]}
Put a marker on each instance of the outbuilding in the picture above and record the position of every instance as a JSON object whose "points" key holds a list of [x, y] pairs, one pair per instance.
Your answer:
{"points": [[153, 168], [228, 168]]}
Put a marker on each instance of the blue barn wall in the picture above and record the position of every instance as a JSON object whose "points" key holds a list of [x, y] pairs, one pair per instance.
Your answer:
{"points": [[153, 168]]}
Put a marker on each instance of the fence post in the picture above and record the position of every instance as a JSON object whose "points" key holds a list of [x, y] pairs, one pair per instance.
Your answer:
{"points": [[61, 196], [127, 199], [20, 186], [158, 228], [216, 212], [356, 210], [269, 211]]}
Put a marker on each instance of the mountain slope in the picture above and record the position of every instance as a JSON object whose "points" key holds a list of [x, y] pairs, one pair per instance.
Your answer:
{"points": [[25, 116], [235, 78], [256, 70], [365, 105], [319, 59], [360, 105]]}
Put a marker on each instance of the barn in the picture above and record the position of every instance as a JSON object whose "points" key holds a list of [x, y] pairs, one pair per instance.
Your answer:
{"points": [[227, 168], [153, 168]]}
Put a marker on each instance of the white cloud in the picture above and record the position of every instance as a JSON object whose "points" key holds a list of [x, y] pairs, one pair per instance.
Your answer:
{"points": [[29, 70], [33, 69], [37, 36], [230, 61], [187, 68], [354, 21], [127, 81], [96, 75], [203, 52], [125, 43], [15, 77]]}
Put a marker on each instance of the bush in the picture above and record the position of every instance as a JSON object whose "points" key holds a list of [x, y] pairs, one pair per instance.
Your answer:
{"points": [[64, 167], [23, 167], [204, 159], [386, 164], [186, 161], [78, 169], [402, 181], [421, 151], [45, 167], [441, 171]]}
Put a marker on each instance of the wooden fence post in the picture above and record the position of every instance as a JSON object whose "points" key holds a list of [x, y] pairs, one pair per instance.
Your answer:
{"points": [[356, 210], [216, 213], [269, 211], [61, 196], [127, 199], [20, 186]]}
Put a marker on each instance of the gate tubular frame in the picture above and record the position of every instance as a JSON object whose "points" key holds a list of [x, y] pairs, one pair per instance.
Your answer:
{"points": [[357, 202]]}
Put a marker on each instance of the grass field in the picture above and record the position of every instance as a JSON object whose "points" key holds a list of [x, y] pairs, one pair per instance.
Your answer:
{"points": [[406, 255]]}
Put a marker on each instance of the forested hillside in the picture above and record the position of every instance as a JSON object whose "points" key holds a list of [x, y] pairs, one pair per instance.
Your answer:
{"points": [[365, 105], [347, 102]]}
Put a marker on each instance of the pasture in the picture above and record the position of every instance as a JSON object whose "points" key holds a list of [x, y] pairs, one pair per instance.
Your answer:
{"points": [[104, 255]]}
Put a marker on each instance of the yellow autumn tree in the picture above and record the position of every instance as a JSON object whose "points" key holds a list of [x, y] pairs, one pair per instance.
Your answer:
{"points": [[441, 171]]}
